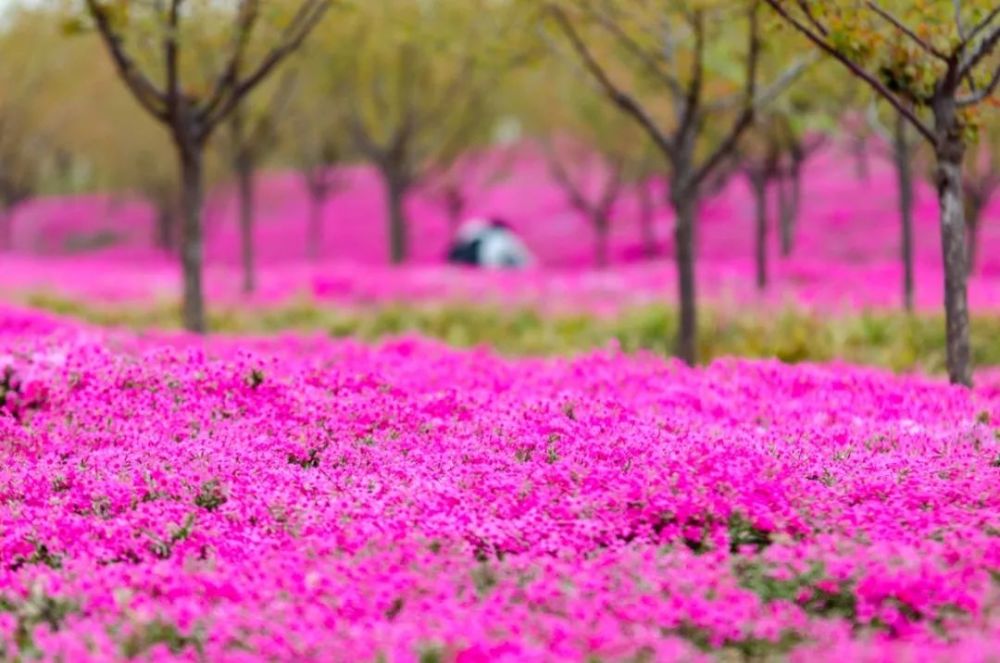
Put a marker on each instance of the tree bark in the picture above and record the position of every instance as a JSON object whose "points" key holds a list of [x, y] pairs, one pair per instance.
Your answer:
{"points": [[164, 226], [859, 149], [192, 244], [601, 228], [245, 191], [647, 217], [317, 203], [786, 215], [396, 190], [6, 229], [949, 150], [758, 183], [902, 155], [684, 203]]}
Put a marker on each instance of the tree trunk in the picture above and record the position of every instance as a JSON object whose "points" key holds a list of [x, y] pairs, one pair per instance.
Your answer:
{"points": [[859, 149], [647, 217], [949, 150], [902, 154], [454, 207], [164, 226], [317, 203], [192, 249], [601, 227], [245, 190], [758, 183], [6, 229], [685, 210], [396, 190], [786, 215]]}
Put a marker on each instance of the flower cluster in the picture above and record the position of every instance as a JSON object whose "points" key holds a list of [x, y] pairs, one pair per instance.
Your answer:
{"points": [[295, 498]]}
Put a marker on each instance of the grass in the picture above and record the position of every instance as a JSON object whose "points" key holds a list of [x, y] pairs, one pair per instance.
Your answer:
{"points": [[889, 339]]}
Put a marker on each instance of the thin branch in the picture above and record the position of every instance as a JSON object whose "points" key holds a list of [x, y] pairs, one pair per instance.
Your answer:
{"points": [[899, 25], [981, 50], [692, 100], [247, 15], [170, 55], [141, 87], [820, 41], [982, 93], [820, 28], [746, 118], [619, 97], [308, 17], [959, 25], [641, 54], [982, 25]]}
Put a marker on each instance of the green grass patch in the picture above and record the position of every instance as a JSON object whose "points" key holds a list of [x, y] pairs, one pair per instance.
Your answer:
{"points": [[889, 339]]}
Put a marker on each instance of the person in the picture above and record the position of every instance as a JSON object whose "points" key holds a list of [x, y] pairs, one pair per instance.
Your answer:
{"points": [[489, 243]]}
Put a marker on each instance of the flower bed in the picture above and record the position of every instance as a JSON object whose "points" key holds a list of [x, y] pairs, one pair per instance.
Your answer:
{"points": [[296, 498]]}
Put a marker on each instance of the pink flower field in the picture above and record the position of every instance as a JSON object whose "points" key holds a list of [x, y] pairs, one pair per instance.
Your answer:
{"points": [[846, 253], [291, 498]]}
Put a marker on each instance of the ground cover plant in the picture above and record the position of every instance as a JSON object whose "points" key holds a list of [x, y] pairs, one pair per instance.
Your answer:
{"points": [[298, 497]]}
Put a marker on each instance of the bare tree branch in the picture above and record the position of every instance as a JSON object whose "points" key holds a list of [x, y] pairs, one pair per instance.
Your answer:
{"points": [[899, 25], [982, 93], [619, 97], [959, 25], [151, 98], [632, 46], [981, 50], [309, 15], [692, 100], [746, 117], [247, 14], [982, 25], [170, 55]]}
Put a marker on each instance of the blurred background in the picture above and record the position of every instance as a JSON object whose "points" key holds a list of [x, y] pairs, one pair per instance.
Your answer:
{"points": [[342, 179]]}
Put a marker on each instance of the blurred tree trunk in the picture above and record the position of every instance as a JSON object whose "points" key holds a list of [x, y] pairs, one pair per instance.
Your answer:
{"points": [[685, 205], [950, 150], [758, 185], [396, 188], [318, 196], [192, 243], [902, 154], [859, 151], [6, 228], [786, 212], [247, 215], [647, 219], [166, 215]]}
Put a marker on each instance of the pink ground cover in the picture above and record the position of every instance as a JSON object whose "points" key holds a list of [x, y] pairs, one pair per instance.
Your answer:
{"points": [[846, 252], [296, 498]]}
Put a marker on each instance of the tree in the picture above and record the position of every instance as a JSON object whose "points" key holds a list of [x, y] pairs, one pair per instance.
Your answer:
{"points": [[695, 118], [902, 149], [19, 174], [980, 184], [318, 145], [418, 83], [932, 62], [250, 134], [761, 163], [592, 183], [188, 106]]}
